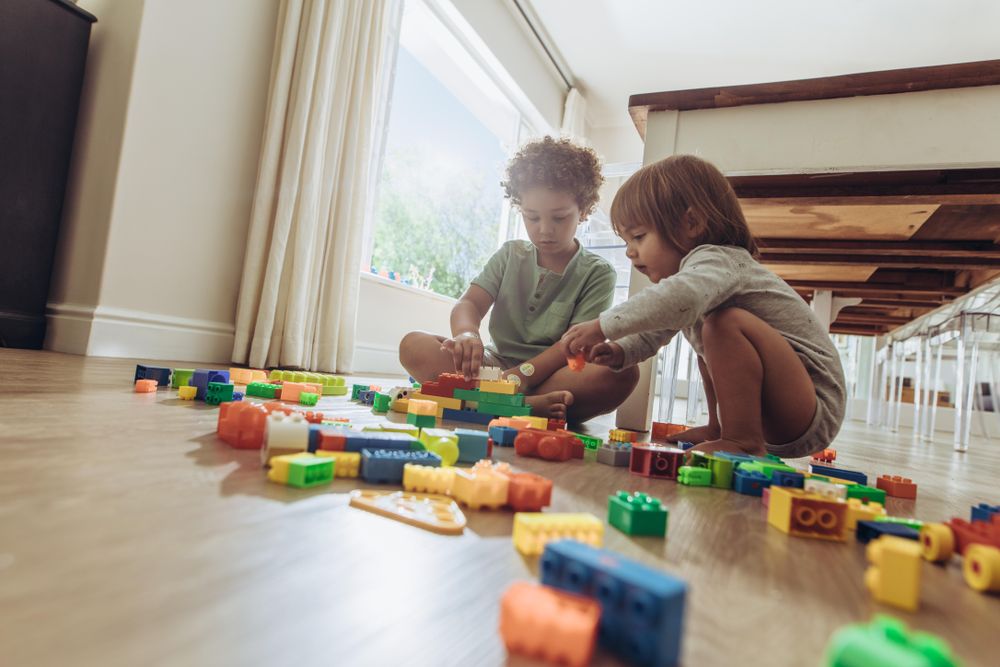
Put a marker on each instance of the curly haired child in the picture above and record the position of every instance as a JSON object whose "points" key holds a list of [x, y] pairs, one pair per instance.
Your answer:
{"points": [[772, 376], [536, 289]]}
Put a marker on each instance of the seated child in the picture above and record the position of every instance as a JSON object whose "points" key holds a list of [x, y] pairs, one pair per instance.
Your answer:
{"points": [[772, 376], [536, 289]]}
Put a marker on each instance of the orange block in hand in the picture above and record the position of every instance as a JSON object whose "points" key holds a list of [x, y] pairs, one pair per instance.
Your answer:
{"points": [[542, 622], [577, 362]]}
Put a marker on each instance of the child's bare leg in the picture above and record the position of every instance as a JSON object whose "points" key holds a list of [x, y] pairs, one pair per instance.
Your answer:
{"points": [[764, 392], [596, 390], [711, 430], [421, 355]]}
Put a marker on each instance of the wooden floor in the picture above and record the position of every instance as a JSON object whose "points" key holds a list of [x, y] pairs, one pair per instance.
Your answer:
{"points": [[129, 535]]}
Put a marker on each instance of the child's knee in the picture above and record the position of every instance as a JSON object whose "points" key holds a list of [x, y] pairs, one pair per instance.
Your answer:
{"points": [[724, 321], [620, 382], [409, 345]]}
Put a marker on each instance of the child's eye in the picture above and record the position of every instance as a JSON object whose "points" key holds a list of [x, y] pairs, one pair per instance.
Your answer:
{"points": [[638, 237], [563, 218]]}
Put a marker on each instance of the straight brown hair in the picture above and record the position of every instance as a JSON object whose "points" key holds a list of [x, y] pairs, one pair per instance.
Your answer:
{"points": [[660, 194]]}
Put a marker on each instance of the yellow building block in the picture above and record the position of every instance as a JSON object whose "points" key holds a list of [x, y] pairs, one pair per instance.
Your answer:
{"points": [[894, 575], [418, 407], [345, 464], [242, 376], [409, 429], [187, 393], [498, 387], [802, 514], [533, 530], [480, 488], [536, 422], [428, 479], [450, 403], [859, 511], [279, 467], [400, 405]]}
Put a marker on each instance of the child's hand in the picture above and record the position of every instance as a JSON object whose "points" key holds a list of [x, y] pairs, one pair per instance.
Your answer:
{"points": [[607, 354], [583, 336], [467, 350]]}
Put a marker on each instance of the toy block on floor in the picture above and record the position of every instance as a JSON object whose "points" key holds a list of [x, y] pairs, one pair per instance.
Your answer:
{"points": [[981, 568], [345, 464], [866, 493], [548, 445], [637, 513], [466, 416], [356, 390], [825, 456], [439, 401], [454, 381], [438, 514], [886, 641], [472, 445], [657, 461], [291, 391], [145, 386], [516, 423], [385, 466], [243, 376], [661, 430], [502, 410], [800, 513], [622, 435], [897, 487], [179, 378], [750, 482], [284, 434], [560, 425], [528, 492], [202, 376], [381, 403], [263, 390], [839, 473], [967, 533], [533, 530], [497, 387], [722, 472], [825, 489], [548, 624], [866, 531], [617, 456], [158, 374], [442, 442], [642, 609], [302, 471], [218, 392], [894, 575], [694, 476], [766, 468], [983, 512], [421, 421], [241, 425], [328, 437], [541, 423], [187, 393], [480, 488], [477, 396], [795, 480], [428, 479], [503, 436], [356, 441], [859, 511], [421, 407]]}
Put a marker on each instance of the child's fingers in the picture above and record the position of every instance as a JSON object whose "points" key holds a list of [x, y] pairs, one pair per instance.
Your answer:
{"points": [[477, 360]]}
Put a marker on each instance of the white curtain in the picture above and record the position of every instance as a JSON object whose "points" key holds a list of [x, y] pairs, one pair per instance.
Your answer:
{"points": [[574, 122], [327, 108]]}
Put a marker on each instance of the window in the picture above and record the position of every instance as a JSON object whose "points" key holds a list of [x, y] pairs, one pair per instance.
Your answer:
{"points": [[440, 211]]}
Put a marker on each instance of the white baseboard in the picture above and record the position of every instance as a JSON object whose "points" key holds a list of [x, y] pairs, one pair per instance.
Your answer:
{"points": [[376, 359], [119, 332]]}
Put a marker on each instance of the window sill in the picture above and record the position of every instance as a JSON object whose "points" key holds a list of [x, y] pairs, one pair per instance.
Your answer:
{"points": [[427, 294]]}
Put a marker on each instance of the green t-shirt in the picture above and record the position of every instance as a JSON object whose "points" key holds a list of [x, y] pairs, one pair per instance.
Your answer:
{"points": [[533, 307]]}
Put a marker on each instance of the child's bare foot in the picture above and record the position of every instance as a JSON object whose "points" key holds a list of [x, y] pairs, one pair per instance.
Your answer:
{"points": [[696, 434], [752, 447], [552, 405]]}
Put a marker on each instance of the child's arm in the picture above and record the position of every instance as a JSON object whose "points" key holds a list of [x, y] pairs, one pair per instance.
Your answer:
{"points": [[465, 345]]}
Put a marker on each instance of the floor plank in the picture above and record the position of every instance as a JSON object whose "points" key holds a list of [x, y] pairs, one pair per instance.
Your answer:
{"points": [[130, 535]]}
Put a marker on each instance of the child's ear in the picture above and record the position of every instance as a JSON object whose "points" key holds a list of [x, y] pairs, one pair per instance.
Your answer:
{"points": [[693, 224]]}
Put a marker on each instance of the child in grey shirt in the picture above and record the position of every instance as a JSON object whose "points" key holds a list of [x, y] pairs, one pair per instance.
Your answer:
{"points": [[772, 376]]}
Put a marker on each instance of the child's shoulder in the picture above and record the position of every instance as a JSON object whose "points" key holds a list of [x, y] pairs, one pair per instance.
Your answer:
{"points": [[728, 253], [590, 261]]}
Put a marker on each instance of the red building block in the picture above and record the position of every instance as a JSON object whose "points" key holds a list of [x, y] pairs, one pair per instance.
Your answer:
{"points": [[542, 622], [656, 461], [897, 487], [557, 424], [548, 445], [453, 381], [528, 492], [976, 532], [661, 430], [241, 424], [577, 362], [825, 456], [331, 441]]}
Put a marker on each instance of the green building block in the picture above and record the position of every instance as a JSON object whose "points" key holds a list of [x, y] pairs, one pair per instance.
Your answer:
{"points": [[274, 376], [887, 641], [765, 468], [698, 460], [590, 455], [722, 472], [474, 395], [637, 514], [502, 410], [308, 398], [589, 442], [263, 390], [181, 377], [334, 385], [694, 476], [421, 421], [308, 472], [381, 402], [356, 390], [867, 494], [916, 524], [218, 392]]}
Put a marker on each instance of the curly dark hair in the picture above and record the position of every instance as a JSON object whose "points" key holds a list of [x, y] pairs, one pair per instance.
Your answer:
{"points": [[558, 164]]}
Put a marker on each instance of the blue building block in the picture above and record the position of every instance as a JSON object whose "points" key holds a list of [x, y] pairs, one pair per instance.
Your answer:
{"points": [[466, 416], [472, 445], [642, 609], [385, 466], [158, 373], [735, 458], [794, 480], [503, 436], [201, 378], [356, 441], [872, 530], [983, 512], [839, 473], [316, 429], [685, 445], [367, 397], [238, 395], [749, 482]]}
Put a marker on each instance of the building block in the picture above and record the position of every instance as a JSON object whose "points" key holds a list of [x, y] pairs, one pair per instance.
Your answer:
{"points": [[533, 530], [241, 425], [839, 473], [503, 436], [308, 398], [422, 407], [187, 393], [638, 513], [735, 458], [263, 390], [401, 406], [766, 468], [548, 624], [661, 430], [589, 441], [466, 416], [825, 456], [528, 492], [356, 390], [859, 511], [887, 642], [866, 531], [577, 362], [218, 392], [498, 387], [765, 497], [694, 476], [302, 471], [381, 403], [480, 488], [243, 376], [540, 423], [291, 391], [516, 423], [490, 373], [179, 378], [158, 374], [560, 425], [803, 514], [897, 487], [984, 512], [421, 421], [894, 575], [442, 442], [472, 445], [385, 466], [795, 480], [548, 445], [284, 434], [367, 397], [328, 437], [825, 489], [976, 532], [346, 464], [440, 401], [981, 568], [866, 493], [722, 472], [915, 524], [257, 375], [438, 514], [622, 435], [356, 441], [657, 461], [502, 410], [145, 386], [428, 479], [202, 376], [477, 396], [613, 456], [642, 609], [750, 482]]}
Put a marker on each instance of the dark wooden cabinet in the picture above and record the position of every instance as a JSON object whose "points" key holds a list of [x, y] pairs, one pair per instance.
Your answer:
{"points": [[43, 51]]}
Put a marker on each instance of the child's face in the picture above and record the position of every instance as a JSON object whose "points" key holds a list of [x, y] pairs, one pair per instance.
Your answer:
{"points": [[650, 253], [550, 218]]}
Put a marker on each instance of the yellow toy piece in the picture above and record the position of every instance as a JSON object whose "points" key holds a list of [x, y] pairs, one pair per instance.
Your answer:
{"points": [[442, 442], [480, 489], [345, 464], [859, 511], [536, 422], [533, 530], [242, 376], [981, 568], [409, 429], [894, 575], [937, 542], [401, 405], [622, 435], [428, 479], [437, 514], [802, 514], [187, 393], [498, 387], [418, 407], [442, 402]]}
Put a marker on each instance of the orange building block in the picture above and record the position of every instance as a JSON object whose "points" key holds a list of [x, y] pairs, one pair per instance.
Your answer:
{"points": [[825, 456], [548, 445], [290, 391], [542, 622], [661, 430], [241, 424], [240, 375], [577, 362], [897, 487], [145, 386], [528, 492]]}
